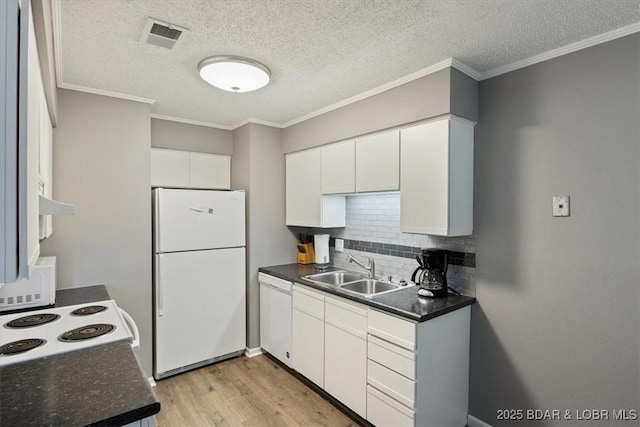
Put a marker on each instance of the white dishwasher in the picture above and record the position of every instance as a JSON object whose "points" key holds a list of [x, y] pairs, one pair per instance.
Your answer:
{"points": [[275, 317]]}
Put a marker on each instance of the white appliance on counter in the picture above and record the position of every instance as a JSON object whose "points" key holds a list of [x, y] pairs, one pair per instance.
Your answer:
{"points": [[37, 291], [199, 278], [321, 247], [34, 334], [275, 317]]}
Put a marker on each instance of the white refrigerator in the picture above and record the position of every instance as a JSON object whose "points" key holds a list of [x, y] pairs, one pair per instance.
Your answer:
{"points": [[199, 282]]}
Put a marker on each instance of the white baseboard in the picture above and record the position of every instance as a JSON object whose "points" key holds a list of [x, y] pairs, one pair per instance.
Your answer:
{"points": [[475, 422], [152, 382], [253, 352]]}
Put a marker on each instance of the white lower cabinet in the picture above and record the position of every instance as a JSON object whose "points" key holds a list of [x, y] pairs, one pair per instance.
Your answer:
{"points": [[329, 345], [307, 334], [345, 353], [418, 373], [387, 369], [384, 411]]}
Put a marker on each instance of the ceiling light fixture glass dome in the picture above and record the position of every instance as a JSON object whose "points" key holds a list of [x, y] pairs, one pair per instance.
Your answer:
{"points": [[234, 73]]}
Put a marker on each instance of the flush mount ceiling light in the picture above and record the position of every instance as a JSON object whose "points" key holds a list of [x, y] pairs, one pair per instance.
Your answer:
{"points": [[234, 73]]}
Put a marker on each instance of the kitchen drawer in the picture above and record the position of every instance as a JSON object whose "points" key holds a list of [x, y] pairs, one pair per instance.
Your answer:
{"points": [[348, 316], [384, 411], [391, 383], [309, 302], [392, 329], [391, 356]]}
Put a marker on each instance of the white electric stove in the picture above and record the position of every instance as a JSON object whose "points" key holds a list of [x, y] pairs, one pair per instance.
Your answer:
{"points": [[34, 334]]}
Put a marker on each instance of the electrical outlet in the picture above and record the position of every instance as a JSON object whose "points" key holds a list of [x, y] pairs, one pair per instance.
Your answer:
{"points": [[560, 205], [339, 245]]}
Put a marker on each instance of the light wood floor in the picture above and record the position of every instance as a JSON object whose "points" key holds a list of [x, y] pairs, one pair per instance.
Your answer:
{"points": [[243, 392]]}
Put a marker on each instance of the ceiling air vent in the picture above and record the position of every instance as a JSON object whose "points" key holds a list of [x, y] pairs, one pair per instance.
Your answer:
{"points": [[160, 33]]}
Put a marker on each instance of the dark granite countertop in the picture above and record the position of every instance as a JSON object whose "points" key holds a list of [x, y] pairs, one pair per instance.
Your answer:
{"points": [[405, 302], [73, 296], [97, 386]]}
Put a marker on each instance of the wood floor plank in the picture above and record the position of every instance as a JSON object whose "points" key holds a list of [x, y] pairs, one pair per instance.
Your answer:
{"points": [[252, 392]]}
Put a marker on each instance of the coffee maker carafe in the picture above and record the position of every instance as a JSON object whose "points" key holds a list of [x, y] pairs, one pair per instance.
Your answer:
{"points": [[431, 275]]}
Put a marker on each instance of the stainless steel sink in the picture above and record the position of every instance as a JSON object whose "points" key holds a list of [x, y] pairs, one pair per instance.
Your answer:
{"points": [[334, 277], [370, 287]]}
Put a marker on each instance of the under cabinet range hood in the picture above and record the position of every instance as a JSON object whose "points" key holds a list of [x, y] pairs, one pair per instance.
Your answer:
{"points": [[53, 207], [48, 207]]}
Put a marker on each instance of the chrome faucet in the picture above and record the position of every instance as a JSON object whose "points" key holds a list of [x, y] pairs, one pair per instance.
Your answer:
{"points": [[371, 268]]}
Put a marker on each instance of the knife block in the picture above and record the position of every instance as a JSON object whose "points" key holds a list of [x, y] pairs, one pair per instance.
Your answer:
{"points": [[306, 254]]}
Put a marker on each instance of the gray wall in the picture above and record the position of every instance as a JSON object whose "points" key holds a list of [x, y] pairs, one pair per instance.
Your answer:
{"points": [[241, 180], [183, 136], [101, 164], [463, 95], [426, 97], [557, 323], [258, 168]]}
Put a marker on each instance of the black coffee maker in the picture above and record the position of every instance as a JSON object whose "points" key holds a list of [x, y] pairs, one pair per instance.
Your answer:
{"points": [[431, 275]]}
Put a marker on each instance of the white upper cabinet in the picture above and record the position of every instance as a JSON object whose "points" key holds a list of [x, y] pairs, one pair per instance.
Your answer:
{"points": [[305, 205], [209, 171], [169, 168], [436, 178], [36, 126], [378, 162], [338, 168], [369, 163], [184, 169], [303, 187]]}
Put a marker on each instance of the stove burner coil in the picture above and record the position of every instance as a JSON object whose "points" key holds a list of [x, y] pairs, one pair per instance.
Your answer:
{"points": [[86, 332], [32, 320], [88, 310], [20, 346]]}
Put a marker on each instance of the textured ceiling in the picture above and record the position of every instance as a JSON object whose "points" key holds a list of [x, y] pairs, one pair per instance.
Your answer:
{"points": [[320, 52]]}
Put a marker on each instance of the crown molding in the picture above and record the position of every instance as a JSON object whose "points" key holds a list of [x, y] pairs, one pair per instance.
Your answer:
{"points": [[450, 62], [461, 66], [564, 50], [191, 122], [108, 93], [216, 125], [56, 25], [257, 122]]}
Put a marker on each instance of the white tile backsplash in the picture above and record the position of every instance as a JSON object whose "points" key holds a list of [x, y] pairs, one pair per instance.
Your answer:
{"points": [[378, 215], [376, 218]]}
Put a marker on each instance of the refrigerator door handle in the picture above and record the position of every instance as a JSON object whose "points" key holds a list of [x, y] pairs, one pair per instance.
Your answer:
{"points": [[156, 219], [198, 208], [159, 293]]}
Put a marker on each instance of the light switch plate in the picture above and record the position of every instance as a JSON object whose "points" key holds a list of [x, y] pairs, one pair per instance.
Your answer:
{"points": [[339, 245], [560, 205]]}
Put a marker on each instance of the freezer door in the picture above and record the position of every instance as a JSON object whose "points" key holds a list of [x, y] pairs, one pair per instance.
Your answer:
{"points": [[198, 219], [199, 307]]}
